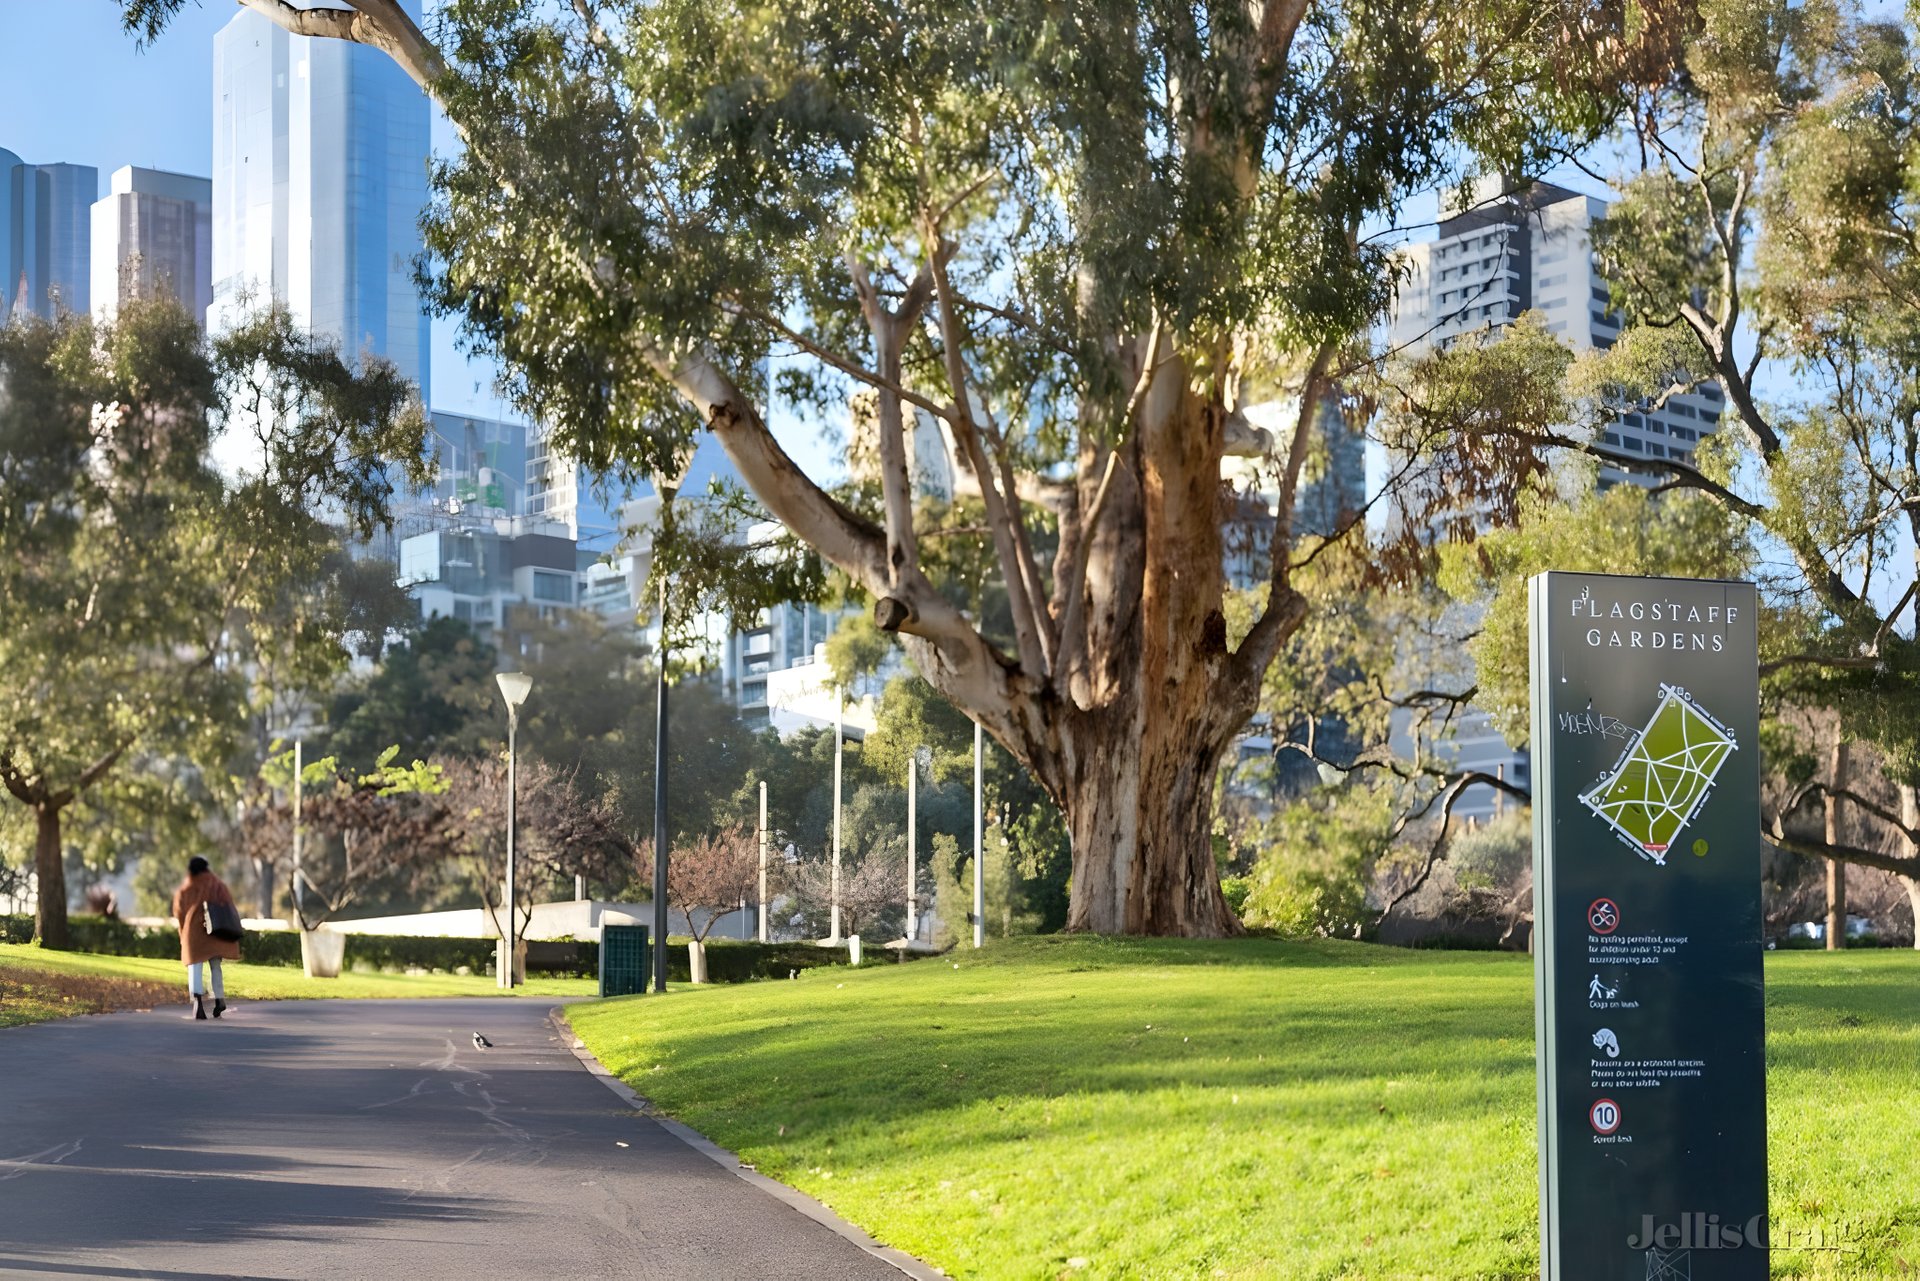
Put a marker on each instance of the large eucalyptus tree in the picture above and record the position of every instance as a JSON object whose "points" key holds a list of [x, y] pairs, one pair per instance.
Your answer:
{"points": [[1079, 235]]}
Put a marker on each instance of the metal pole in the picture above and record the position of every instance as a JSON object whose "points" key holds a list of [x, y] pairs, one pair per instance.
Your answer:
{"points": [[979, 841], [763, 861], [839, 734], [913, 846], [506, 961], [299, 897], [660, 809]]}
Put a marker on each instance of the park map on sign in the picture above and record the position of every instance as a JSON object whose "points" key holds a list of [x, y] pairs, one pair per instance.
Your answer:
{"points": [[1664, 776]]}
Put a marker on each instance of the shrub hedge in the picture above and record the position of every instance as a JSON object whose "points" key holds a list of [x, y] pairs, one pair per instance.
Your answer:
{"points": [[280, 947], [728, 960], [739, 960]]}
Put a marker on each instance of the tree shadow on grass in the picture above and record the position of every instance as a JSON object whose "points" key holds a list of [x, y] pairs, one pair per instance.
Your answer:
{"points": [[1458, 1037]]}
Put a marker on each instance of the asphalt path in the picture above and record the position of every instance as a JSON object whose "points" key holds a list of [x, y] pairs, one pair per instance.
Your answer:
{"points": [[362, 1139]]}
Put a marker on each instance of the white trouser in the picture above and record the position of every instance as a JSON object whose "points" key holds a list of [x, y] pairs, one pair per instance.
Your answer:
{"points": [[193, 980]]}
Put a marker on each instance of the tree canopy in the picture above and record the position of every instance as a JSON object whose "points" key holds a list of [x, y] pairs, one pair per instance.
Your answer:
{"points": [[1079, 238], [159, 493]]}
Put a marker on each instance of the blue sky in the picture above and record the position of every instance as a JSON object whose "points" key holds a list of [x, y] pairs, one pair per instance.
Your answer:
{"points": [[77, 89], [85, 93]]}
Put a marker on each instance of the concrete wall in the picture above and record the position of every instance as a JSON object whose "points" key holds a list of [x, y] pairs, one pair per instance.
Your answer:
{"points": [[580, 920]]}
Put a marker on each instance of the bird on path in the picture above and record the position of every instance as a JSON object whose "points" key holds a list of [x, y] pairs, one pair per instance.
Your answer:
{"points": [[481, 1042]]}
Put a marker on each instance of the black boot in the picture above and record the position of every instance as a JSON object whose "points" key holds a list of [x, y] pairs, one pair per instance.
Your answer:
{"points": [[199, 1006], [219, 1006]]}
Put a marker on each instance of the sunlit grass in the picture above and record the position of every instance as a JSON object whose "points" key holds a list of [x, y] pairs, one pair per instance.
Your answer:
{"points": [[37, 984], [1251, 1109]]}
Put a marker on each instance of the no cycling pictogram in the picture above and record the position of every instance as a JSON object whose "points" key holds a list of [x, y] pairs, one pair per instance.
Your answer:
{"points": [[1604, 1116], [1603, 916]]}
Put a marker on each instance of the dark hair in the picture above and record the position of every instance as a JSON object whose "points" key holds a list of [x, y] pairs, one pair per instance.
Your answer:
{"points": [[196, 865]]}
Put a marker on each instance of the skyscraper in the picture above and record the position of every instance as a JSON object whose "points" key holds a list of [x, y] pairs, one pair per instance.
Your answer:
{"points": [[1517, 249], [319, 175], [44, 222], [1531, 249], [152, 234]]}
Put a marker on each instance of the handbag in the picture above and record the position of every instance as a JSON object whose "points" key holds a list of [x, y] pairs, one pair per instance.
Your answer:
{"points": [[223, 921]]}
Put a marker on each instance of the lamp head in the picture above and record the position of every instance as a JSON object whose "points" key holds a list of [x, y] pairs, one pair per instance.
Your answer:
{"points": [[514, 687]]}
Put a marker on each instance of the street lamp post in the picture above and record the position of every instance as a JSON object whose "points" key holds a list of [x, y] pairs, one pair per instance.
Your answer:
{"points": [[666, 485], [660, 805], [979, 841], [299, 901], [913, 846], [514, 688], [839, 737], [763, 860]]}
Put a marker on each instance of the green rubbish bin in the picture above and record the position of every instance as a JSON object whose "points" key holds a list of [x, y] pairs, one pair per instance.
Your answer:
{"points": [[626, 962]]}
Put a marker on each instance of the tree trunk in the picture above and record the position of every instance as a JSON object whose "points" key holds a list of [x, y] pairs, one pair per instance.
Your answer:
{"points": [[50, 873], [1139, 806], [1910, 816], [1836, 870], [1157, 701], [1138, 801], [696, 961], [263, 877], [1176, 883]]}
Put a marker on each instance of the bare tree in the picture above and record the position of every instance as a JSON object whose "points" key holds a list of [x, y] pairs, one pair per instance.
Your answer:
{"points": [[869, 888], [384, 832], [563, 832], [714, 873]]}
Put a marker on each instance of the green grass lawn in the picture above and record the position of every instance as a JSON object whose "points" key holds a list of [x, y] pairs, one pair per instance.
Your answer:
{"points": [[36, 985], [1119, 1108]]}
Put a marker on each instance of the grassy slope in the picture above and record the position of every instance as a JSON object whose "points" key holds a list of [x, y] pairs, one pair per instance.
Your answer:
{"points": [[37, 985], [1251, 1109]]}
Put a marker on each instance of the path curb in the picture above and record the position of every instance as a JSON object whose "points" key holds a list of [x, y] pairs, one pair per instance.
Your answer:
{"points": [[731, 1162]]}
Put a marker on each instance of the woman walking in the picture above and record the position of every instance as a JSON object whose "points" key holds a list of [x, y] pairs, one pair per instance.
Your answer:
{"points": [[197, 944]]}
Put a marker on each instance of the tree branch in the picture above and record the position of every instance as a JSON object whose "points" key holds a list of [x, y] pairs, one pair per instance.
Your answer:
{"points": [[1808, 791], [890, 328], [828, 356], [1908, 866], [15, 782], [1071, 577], [1447, 798], [382, 24], [1026, 620], [1285, 609]]}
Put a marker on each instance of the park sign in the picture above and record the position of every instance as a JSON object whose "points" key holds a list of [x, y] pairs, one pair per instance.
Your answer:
{"points": [[1647, 929]]}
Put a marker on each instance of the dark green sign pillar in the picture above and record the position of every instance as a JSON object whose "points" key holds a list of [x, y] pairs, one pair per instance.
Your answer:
{"points": [[1647, 929]]}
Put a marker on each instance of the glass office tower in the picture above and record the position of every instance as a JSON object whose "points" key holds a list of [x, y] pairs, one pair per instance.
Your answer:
{"points": [[46, 217], [320, 152]]}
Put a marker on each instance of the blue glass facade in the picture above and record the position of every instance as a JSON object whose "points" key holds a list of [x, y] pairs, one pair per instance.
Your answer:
{"points": [[320, 152], [46, 220]]}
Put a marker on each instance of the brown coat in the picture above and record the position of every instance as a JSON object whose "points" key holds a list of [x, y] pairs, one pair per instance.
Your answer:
{"points": [[195, 943]]}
